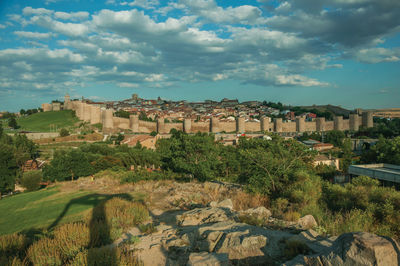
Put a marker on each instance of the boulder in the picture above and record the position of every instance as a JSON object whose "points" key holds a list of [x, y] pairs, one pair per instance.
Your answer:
{"points": [[355, 249], [222, 204], [260, 213], [204, 215], [307, 222], [208, 259]]}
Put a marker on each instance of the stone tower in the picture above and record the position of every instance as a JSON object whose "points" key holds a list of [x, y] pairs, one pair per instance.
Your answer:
{"points": [[240, 124], [67, 102]]}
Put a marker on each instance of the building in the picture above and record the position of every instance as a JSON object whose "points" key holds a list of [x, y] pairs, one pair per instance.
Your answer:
{"points": [[388, 174], [325, 160]]}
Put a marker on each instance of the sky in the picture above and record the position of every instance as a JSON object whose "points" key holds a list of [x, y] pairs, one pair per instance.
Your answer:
{"points": [[299, 52]]}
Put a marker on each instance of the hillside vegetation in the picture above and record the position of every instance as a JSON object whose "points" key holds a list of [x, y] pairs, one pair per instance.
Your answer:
{"points": [[48, 121]]}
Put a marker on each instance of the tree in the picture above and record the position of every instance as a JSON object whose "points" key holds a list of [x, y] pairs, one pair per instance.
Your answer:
{"points": [[64, 132], [22, 111], [347, 155], [31, 180], [1, 129], [68, 166], [8, 168], [12, 123], [153, 133], [384, 151], [122, 113], [335, 137], [195, 155]]}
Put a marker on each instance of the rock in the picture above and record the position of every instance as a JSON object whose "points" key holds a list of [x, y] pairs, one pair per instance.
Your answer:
{"points": [[208, 259], [307, 222], [204, 215], [355, 249], [313, 240], [227, 203], [258, 213]]}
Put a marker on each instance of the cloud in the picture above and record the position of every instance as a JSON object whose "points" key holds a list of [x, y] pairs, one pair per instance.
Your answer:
{"points": [[377, 55], [28, 11], [33, 35], [71, 16], [69, 29], [146, 4], [209, 10]]}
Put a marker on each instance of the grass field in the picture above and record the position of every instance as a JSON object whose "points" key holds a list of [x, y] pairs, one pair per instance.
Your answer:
{"points": [[39, 209], [48, 121]]}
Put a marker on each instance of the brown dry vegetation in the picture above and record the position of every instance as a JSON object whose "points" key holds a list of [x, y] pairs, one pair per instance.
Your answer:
{"points": [[72, 138]]}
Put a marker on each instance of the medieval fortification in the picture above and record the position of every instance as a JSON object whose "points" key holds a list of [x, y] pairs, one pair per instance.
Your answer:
{"points": [[95, 114]]}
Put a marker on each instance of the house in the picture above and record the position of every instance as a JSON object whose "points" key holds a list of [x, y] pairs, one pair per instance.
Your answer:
{"points": [[325, 160], [322, 146]]}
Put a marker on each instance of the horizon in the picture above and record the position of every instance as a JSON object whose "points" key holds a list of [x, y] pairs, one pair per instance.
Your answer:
{"points": [[299, 52]]}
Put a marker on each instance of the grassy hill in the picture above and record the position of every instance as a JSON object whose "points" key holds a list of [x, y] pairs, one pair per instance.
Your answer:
{"points": [[337, 110], [38, 209], [48, 121]]}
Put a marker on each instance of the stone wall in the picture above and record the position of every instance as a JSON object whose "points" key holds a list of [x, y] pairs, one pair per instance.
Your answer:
{"points": [[227, 127], [95, 114], [252, 127], [147, 127], [200, 127]]}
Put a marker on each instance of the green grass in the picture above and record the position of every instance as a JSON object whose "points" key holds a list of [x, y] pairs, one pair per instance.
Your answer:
{"points": [[34, 210], [38, 210], [48, 121]]}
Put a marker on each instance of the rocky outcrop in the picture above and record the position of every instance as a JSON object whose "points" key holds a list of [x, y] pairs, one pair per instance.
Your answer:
{"points": [[260, 213], [307, 222], [200, 216], [208, 259], [355, 249]]}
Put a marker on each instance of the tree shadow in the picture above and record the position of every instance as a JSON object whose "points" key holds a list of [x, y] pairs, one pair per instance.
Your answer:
{"points": [[100, 231]]}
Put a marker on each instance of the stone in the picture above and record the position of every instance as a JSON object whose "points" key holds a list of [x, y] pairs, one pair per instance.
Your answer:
{"points": [[227, 203], [260, 213], [355, 249], [307, 222], [208, 259], [204, 215]]}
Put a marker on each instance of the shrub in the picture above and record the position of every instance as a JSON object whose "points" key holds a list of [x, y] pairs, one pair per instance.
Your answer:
{"points": [[13, 245], [64, 132], [72, 239], [147, 228], [45, 252], [31, 180]]}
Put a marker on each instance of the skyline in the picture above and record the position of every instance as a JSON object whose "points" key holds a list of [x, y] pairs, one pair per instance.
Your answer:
{"points": [[299, 52]]}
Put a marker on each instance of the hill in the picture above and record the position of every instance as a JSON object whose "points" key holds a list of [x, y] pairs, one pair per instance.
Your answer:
{"points": [[48, 121], [337, 110]]}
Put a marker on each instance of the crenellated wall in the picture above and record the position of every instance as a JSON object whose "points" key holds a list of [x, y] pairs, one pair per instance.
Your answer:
{"points": [[94, 114]]}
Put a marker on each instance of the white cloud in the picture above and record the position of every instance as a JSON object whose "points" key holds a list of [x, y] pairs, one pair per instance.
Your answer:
{"points": [[377, 55], [28, 11], [298, 80], [146, 4], [71, 16], [2, 26], [33, 35]]}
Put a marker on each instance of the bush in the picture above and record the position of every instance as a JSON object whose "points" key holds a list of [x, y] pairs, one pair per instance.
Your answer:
{"points": [[294, 248], [13, 245], [64, 132], [31, 180]]}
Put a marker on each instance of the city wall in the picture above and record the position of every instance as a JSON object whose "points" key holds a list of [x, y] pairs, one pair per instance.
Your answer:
{"points": [[94, 114]]}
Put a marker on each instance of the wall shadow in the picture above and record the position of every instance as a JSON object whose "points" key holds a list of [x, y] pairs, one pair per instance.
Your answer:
{"points": [[99, 228]]}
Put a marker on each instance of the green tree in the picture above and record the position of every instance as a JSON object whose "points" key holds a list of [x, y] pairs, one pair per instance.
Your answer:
{"points": [[22, 111], [68, 166], [384, 151], [347, 155], [64, 132], [122, 113], [8, 168], [31, 180], [194, 155], [12, 123], [335, 137]]}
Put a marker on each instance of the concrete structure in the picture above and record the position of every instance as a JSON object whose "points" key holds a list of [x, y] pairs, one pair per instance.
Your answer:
{"points": [[187, 125], [161, 126], [47, 107], [134, 123], [108, 122], [320, 124], [56, 106], [389, 174], [300, 124], [278, 125], [214, 125], [265, 123], [95, 114], [367, 119], [338, 123], [67, 102], [240, 125], [354, 122]]}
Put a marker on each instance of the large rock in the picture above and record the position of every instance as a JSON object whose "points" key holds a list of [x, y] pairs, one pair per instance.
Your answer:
{"points": [[205, 215], [222, 204], [355, 249], [307, 222], [208, 259], [260, 213]]}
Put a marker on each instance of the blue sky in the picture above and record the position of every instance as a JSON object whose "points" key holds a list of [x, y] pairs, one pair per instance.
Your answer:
{"points": [[299, 52]]}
